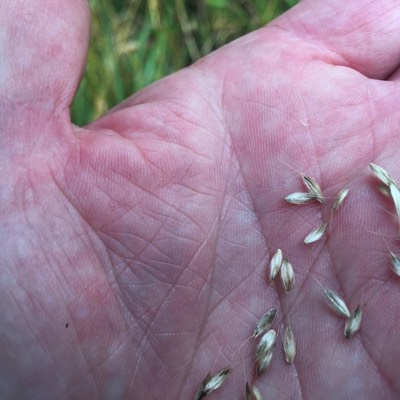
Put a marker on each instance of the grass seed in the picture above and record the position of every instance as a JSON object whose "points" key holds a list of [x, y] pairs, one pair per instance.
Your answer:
{"points": [[289, 345], [381, 174], [300, 198], [395, 194], [353, 323], [340, 198], [287, 274], [384, 190], [316, 234], [264, 362], [212, 383], [336, 303], [313, 188], [395, 263], [252, 393], [275, 264], [265, 344], [265, 322]]}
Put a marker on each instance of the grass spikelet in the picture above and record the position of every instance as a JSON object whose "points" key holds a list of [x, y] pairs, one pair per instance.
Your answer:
{"points": [[287, 275], [313, 188], [300, 198], [395, 194], [340, 198], [316, 234], [384, 190], [336, 303], [266, 343], [289, 345], [353, 323], [395, 263], [275, 264], [264, 351], [265, 322], [264, 362], [381, 174], [252, 393], [212, 383]]}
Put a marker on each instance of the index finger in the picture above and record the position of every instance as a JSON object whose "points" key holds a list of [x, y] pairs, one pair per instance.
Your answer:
{"points": [[365, 34]]}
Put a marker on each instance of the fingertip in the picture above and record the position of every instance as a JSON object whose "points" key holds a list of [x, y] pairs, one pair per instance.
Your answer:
{"points": [[365, 34], [43, 46]]}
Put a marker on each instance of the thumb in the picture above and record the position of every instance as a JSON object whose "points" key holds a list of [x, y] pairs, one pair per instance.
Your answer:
{"points": [[43, 47]]}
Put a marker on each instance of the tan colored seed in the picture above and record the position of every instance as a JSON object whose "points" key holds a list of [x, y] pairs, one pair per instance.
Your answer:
{"points": [[381, 174], [287, 275], [212, 383], [314, 188], [264, 351], [395, 263], [316, 234], [353, 323], [300, 198], [252, 393], [395, 194], [336, 303], [265, 322], [264, 362], [289, 345], [340, 198], [275, 264], [266, 343]]}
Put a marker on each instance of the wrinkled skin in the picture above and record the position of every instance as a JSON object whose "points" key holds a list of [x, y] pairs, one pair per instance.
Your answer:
{"points": [[134, 249]]}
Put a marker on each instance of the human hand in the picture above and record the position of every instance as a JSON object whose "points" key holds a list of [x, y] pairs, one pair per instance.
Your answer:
{"points": [[135, 249]]}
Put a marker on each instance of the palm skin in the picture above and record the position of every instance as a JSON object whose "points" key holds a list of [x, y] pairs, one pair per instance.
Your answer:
{"points": [[134, 250]]}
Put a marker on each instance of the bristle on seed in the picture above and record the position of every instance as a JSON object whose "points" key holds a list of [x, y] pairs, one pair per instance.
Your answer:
{"points": [[336, 303], [353, 323], [316, 234], [265, 322], [275, 264]]}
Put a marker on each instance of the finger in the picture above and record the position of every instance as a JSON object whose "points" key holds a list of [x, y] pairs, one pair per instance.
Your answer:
{"points": [[395, 75], [43, 46], [365, 34]]}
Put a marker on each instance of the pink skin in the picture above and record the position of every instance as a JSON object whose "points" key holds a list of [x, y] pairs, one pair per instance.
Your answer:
{"points": [[148, 231]]}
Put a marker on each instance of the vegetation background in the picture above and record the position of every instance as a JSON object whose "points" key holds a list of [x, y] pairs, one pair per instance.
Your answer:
{"points": [[136, 42]]}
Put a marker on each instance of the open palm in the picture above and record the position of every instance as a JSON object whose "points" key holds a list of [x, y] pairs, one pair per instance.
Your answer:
{"points": [[134, 251]]}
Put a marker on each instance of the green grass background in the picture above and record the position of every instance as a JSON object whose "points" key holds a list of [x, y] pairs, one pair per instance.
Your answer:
{"points": [[136, 42]]}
